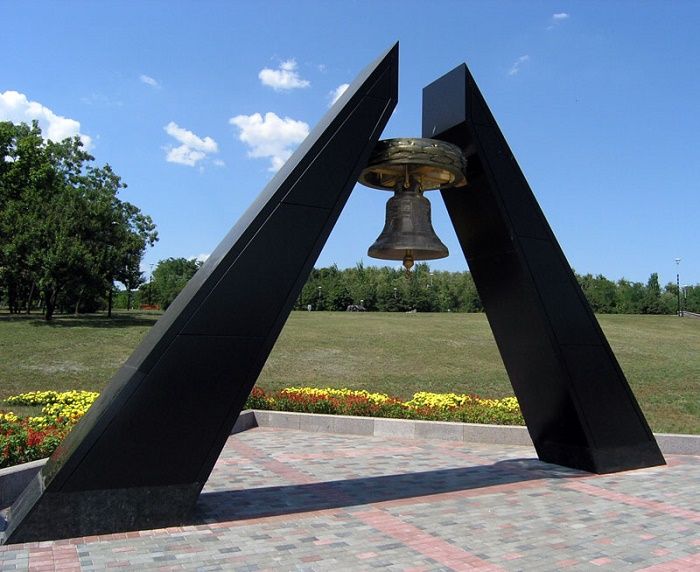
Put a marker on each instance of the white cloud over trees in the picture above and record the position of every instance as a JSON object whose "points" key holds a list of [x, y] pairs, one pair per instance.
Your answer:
{"points": [[18, 108]]}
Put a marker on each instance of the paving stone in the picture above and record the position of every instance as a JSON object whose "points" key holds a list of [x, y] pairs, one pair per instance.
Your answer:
{"points": [[284, 499]]}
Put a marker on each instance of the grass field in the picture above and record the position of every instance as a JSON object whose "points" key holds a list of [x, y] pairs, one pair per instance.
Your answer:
{"points": [[397, 354]]}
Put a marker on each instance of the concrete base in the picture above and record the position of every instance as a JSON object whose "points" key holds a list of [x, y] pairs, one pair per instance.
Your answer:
{"points": [[88, 513]]}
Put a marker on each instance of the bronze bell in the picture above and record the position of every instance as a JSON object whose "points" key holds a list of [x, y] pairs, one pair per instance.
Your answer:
{"points": [[408, 233], [409, 167]]}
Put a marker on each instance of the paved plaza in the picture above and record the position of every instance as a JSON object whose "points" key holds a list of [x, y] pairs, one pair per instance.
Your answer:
{"points": [[291, 500]]}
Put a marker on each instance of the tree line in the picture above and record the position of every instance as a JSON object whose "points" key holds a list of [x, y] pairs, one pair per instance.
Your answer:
{"points": [[424, 290], [65, 236], [390, 290], [627, 297], [385, 289]]}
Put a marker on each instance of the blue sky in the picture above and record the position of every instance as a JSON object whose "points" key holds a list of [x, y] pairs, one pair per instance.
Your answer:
{"points": [[194, 104]]}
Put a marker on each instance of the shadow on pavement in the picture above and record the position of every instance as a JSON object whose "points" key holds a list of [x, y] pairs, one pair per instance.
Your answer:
{"points": [[290, 499]]}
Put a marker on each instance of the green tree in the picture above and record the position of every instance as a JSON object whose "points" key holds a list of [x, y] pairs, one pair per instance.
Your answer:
{"points": [[669, 298], [64, 233], [170, 277], [652, 297], [24, 172], [630, 296], [600, 292], [134, 232], [691, 298]]}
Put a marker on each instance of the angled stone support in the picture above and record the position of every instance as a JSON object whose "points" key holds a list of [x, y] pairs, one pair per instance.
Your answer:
{"points": [[143, 452], [577, 404]]}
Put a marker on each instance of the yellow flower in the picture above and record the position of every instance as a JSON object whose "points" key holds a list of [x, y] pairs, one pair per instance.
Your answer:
{"points": [[329, 392], [449, 400], [67, 405]]}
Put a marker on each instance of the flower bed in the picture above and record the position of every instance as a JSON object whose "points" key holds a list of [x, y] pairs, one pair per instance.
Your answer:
{"points": [[423, 405], [24, 439]]}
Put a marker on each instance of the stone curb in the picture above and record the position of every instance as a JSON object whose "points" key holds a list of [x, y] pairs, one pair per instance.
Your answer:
{"points": [[676, 444], [13, 480], [669, 443], [401, 428]]}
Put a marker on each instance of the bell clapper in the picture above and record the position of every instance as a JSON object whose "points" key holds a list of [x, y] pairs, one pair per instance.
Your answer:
{"points": [[408, 262]]}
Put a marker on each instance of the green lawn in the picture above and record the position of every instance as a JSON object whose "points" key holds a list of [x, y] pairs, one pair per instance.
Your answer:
{"points": [[397, 354]]}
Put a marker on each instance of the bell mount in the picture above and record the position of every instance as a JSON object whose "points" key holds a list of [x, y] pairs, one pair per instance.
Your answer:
{"points": [[433, 164]]}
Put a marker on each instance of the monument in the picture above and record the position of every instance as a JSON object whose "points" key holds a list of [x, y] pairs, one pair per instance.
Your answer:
{"points": [[141, 455]]}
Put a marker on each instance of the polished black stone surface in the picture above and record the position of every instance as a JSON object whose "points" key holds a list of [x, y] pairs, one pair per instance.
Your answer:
{"points": [[577, 404]]}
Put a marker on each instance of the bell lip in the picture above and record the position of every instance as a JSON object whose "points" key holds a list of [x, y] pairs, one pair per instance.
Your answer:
{"points": [[399, 254], [378, 161]]}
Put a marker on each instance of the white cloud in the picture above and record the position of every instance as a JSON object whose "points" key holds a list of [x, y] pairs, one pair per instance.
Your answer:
{"points": [[219, 163], [515, 68], [148, 80], [101, 100], [188, 138], [557, 19], [337, 92], [192, 149], [15, 107], [284, 78], [270, 136], [201, 258], [183, 155]]}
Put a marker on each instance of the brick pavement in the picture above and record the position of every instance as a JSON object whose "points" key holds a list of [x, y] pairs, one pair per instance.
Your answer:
{"points": [[289, 500]]}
